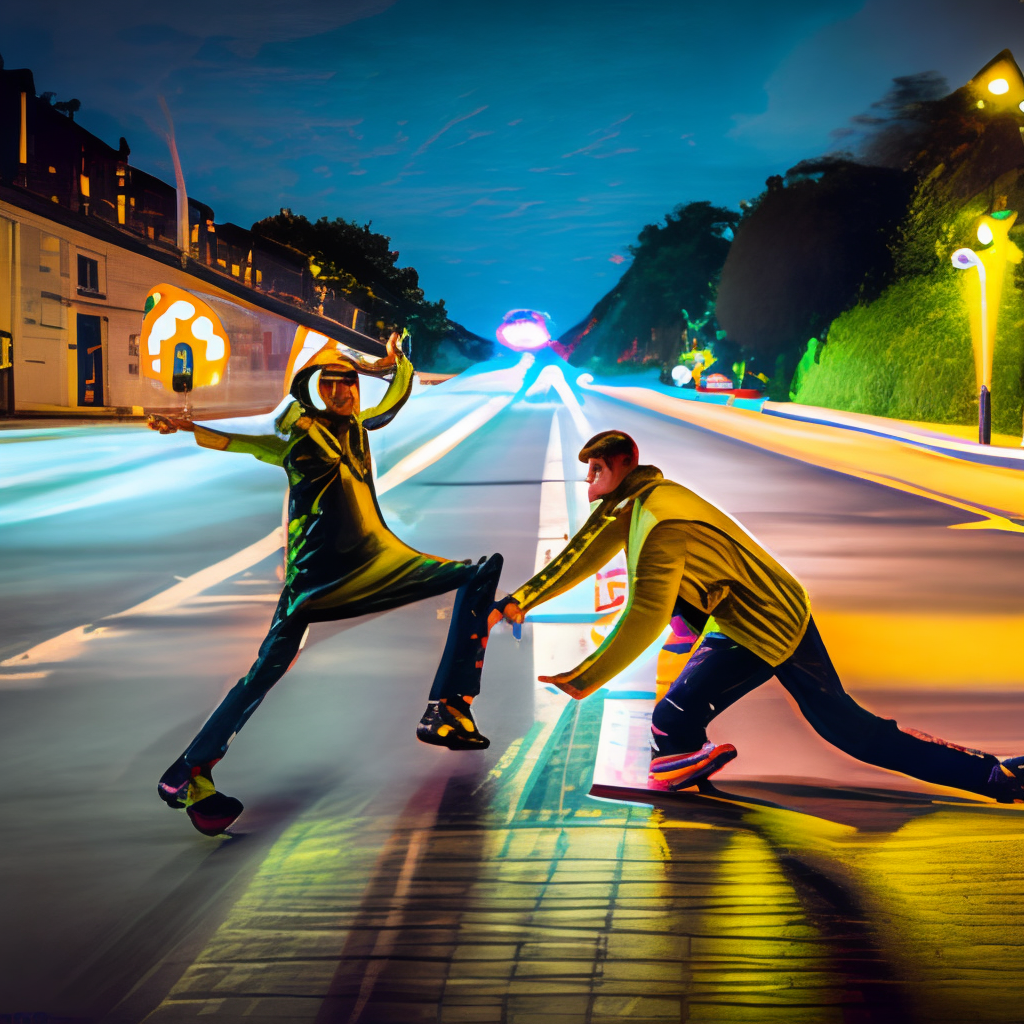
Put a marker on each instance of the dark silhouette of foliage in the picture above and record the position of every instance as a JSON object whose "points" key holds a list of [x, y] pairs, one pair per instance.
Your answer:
{"points": [[360, 264], [668, 288], [812, 245]]}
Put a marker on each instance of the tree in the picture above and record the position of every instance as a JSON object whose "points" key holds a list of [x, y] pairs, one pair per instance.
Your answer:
{"points": [[360, 264], [669, 285], [811, 246]]}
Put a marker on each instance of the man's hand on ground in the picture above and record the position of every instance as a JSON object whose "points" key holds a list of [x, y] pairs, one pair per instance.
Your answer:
{"points": [[564, 682], [169, 424]]}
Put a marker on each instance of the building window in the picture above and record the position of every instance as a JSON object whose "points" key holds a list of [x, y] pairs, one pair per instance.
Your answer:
{"points": [[88, 274], [51, 310], [133, 355]]}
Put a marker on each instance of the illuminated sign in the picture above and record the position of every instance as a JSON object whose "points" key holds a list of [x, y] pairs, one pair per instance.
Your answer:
{"points": [[183, 344]]}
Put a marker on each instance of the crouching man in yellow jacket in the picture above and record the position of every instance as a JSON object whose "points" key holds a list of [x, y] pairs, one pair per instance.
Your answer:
{"points": [[686, 557]]}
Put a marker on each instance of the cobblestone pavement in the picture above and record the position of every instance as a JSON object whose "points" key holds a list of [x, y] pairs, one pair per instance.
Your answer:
{"points": [[563, 909]]}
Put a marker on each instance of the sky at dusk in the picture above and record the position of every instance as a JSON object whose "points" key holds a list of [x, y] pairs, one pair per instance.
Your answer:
{"points": [[512, 151]]}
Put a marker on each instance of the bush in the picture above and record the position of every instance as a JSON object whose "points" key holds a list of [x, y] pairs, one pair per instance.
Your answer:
{"points": [[908, 356]]}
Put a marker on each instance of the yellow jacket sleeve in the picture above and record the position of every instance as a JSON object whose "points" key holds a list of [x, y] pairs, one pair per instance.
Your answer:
{"points": [[648, 610], [394, 398], [593, 546], [266, 437]]}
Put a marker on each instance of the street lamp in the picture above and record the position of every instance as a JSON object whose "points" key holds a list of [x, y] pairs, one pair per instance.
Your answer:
{"points": [[990, 261]]}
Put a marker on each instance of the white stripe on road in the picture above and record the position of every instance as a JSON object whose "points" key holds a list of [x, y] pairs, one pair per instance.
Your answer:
{"points": [[436, 448]]}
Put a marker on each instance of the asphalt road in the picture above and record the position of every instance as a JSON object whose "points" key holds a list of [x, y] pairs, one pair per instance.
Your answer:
{"points": [[111, 901]]}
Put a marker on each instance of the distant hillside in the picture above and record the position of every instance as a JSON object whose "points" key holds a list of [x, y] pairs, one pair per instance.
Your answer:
{"points": [[666, 293]]}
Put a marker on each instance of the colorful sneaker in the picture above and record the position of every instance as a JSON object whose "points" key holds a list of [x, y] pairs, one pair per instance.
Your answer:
{"points": [[449, 723], [1006, 783], [672, 772], [191, 787]]}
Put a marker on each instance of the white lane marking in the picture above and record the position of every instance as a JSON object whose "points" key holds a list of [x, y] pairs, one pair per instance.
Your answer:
{"points": [[553, 531], [552, 377], [437, 447], [68, 644], [21, 680]]}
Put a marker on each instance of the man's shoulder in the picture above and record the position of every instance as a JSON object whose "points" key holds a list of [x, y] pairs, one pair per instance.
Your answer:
{"points": [[667, 492]]}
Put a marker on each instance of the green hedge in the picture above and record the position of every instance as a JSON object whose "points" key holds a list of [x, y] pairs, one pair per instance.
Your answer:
{"points": [[908, 355]]}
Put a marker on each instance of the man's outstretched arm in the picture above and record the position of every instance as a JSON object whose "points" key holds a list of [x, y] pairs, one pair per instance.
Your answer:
{"points": [[266, 437], [595, 544], [648, 610]]}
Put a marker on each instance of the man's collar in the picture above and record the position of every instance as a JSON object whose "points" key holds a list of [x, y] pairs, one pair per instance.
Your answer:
{"points": [[637, 480]]}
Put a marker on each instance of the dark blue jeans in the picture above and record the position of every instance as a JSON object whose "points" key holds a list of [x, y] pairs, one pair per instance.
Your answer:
{"points": [[722, 671], [458, 672]]}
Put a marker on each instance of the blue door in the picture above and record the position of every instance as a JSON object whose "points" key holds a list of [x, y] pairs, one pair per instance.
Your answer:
{"points": [[90, 360]]}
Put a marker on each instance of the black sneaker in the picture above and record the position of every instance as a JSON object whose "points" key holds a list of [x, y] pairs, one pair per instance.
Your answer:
{"points": [[1006, 783], [191, 787], [449, 723], [214, 813], [173, 785]]}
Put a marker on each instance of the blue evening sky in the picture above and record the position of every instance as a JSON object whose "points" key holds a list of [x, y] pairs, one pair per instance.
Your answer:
{"points": [[512, 151]]}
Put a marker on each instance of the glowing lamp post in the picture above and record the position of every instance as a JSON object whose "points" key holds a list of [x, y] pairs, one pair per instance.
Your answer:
{"points": [[984, 293]]}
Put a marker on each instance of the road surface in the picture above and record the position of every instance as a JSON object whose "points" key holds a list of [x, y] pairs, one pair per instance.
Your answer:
{"points": [[372, 878]]}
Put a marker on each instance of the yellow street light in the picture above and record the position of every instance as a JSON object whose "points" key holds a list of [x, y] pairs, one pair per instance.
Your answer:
{"points": [[983, 293]]}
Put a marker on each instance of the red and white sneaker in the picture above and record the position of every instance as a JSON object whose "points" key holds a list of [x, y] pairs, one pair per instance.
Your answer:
{"points": [[672, 772]]}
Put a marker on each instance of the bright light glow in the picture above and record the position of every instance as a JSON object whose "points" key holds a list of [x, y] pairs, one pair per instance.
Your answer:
{"points": [[998, 86], [681, 375], [981, 103], [584, 380], [964, 258], [202, 329], [985, 234], [524, 330], [314, 391], [156, 364], [1021, 105], [165, 325]]}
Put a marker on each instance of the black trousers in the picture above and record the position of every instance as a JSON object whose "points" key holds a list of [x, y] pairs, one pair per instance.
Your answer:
{"points": [[458, 672], [721, 671]]}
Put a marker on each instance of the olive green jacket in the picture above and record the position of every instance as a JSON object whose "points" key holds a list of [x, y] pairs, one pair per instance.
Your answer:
{"points": [[681, 551]]}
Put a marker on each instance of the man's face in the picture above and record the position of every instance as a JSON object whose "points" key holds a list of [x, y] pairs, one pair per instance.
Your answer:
{"points": [[604, 475], [340, 392]]}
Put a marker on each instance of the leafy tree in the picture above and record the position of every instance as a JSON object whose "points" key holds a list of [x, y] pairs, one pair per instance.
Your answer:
{"points": [[812, 245], [360, 264], [668, 288]]}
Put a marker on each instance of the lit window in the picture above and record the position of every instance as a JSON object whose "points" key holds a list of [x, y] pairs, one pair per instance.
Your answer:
{"points": [[85, 185], [120, 209], [998, 86], [52, 170], [234, 269]]}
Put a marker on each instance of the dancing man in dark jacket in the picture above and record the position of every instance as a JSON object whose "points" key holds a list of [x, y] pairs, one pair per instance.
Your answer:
{"points": [[342, 562]]}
